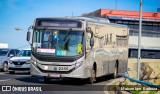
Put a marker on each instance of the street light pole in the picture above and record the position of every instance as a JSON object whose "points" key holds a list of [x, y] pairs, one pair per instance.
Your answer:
{"points": [[116, 5], [139, 41]]}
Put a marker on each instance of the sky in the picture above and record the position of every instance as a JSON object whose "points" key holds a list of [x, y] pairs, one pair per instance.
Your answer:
{"points": [[21, 13]]}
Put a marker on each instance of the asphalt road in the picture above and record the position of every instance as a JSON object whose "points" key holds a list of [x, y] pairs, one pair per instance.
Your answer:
{"points": [[63, 86]]}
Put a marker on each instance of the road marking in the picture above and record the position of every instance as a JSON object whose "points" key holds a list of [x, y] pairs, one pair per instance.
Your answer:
{"points": [[5, 80]]}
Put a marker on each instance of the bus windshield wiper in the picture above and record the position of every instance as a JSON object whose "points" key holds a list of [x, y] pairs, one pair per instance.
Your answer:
{"points": [[65, 37]]}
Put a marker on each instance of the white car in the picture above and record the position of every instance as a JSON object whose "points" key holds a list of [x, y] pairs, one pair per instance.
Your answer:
{"points": [[21, 62]]}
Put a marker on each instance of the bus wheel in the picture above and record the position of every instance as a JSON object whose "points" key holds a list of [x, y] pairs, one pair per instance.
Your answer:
{"points": [[93, 76], [115, 71], [5, 67], [46, 79]]}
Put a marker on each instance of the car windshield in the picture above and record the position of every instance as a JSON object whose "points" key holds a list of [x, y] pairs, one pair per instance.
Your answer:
{"points": [[25, 53], [3, 52], [58, 42]]}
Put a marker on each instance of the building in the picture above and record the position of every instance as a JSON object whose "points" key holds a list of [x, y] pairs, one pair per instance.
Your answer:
{"points": [[3, 45], [150, 24], [150, 41], [158, 9]]}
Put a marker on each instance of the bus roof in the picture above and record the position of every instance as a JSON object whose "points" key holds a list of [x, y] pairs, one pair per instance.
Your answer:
{"points": [[88, 19]]}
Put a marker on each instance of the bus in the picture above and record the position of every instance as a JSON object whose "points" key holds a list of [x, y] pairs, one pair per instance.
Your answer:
{"points": [[77, 47]]}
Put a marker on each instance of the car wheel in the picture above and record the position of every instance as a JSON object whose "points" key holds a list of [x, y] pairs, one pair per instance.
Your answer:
{"points": [[5, 67]]}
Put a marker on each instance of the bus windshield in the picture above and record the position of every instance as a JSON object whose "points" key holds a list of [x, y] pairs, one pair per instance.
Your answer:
{"points": [[58, 42]]}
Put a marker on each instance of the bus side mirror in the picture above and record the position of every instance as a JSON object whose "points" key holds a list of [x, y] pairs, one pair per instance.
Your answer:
{"points": [[28, 36], [92, 42]]}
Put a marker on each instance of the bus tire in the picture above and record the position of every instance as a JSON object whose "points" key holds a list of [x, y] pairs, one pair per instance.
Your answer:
{"points": [[47, 80], [5, 67], [93, 76], [115, 71]]}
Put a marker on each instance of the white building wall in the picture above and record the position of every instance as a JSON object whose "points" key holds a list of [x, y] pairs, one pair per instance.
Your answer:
{"points": [[3, 45], [145, 41]]}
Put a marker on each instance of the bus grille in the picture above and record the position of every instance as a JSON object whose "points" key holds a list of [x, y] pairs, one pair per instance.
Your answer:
{"points": [[48, 58], [60, 72]]}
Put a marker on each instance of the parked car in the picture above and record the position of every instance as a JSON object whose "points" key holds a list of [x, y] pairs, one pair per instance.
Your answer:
{"points": [[5, 55], [21, 62]]}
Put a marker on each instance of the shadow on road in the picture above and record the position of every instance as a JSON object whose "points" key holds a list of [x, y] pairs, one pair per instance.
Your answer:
{"points": [[62, 81], [18, 73]]}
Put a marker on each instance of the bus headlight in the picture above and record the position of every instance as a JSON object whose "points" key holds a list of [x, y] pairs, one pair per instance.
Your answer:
{"points": [[78, 64]]}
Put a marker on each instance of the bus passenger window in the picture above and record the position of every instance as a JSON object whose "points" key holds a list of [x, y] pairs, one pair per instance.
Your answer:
{"points": [[110, 38], [88, 40]]}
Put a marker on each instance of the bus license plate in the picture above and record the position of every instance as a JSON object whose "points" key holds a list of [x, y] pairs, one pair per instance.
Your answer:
{"points": [[54, 75], [18, 66]]}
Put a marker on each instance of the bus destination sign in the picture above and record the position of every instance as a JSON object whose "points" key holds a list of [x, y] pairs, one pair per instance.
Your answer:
{"points": [[59, 23]]}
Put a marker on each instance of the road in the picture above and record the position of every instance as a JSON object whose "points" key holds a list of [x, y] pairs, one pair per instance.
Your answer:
{"points": [[63, 86]]}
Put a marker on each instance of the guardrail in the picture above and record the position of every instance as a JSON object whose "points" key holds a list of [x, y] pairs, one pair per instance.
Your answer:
{"points": [[141, 81]]}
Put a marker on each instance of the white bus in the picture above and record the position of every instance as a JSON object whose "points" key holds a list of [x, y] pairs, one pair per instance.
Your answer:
{"points": [[78, 47]]}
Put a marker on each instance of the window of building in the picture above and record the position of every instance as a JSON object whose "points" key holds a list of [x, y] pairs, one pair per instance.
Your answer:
{"points": [[144, 23], [155, 24], [119, 22], [112, 21], [145, 53], [149, 23], [131, 22], [137, 23], [125, 22]]}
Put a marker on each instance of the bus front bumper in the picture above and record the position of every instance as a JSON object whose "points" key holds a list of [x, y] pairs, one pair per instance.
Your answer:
{"points": [[77, 73]]}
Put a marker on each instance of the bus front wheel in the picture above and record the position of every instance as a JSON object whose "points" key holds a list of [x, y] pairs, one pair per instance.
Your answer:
{"points": [[93, 76]]}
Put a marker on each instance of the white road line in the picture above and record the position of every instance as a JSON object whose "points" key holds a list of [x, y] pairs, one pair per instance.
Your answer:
{"points": [[5, 80]]}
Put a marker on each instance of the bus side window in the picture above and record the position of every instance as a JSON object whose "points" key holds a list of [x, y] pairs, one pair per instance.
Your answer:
{"points": [[88, 37], [110, 39]]}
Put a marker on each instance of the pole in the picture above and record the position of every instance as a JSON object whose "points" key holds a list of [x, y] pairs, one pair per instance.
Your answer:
{"points": [[116, 5], [72, 14], [139, 41]]}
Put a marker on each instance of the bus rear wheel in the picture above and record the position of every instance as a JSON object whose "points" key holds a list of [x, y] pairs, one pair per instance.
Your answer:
{"points": [[115, 71], [93, 76]]}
